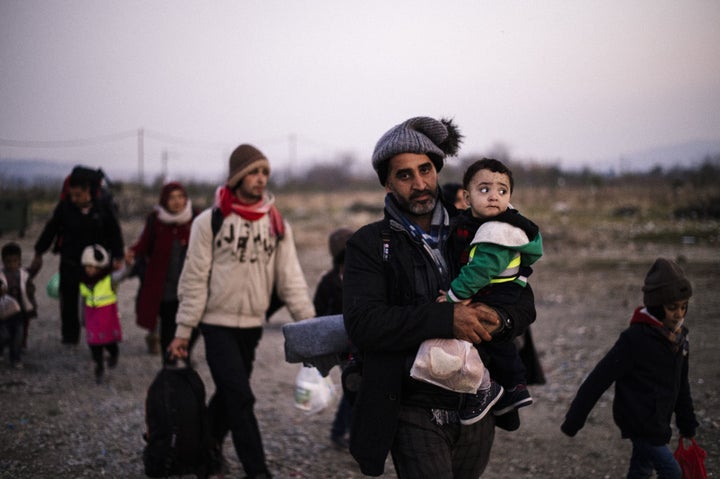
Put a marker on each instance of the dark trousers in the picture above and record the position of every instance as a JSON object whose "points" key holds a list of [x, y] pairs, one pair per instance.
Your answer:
{"points": [[506, 366], [424, 450], [11, 335], [168, 311], [230, 355], [96, 350], [69, 300], [343, 417]]}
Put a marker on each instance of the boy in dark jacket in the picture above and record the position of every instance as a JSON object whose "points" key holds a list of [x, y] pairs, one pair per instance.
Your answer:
{"points": [[328, 301], [649, 366]]}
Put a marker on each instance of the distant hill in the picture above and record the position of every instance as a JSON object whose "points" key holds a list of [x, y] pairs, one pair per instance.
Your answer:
{"points": [[688, 154], [32, 172], [40, 172]]}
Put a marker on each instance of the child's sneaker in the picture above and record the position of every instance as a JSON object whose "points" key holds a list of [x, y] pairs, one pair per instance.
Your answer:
{"points": [[477, 405], [514, 398], [510, 421]]}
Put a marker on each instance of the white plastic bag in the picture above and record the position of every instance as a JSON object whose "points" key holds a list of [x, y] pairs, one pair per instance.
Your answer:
{"points": [[8, 306], [313, 393], [449, 363]]}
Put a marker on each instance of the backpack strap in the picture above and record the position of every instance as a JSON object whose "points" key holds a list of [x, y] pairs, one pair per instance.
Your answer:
{"points": [[275, 218], [385, 235], [216, 221]]}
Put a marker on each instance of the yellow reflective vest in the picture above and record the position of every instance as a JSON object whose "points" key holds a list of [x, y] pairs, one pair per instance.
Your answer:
{"points": [[101, 294]]}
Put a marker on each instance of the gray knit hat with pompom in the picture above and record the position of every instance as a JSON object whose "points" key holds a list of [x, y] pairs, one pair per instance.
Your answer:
{"points": [[421, 134]]}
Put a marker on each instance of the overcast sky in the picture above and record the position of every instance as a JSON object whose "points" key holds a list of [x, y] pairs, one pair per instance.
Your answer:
{"points": [[574, 83]]}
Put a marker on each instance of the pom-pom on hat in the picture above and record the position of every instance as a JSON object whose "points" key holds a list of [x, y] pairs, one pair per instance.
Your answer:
{"points": [[665, 283], [244, 159], [421, 134], [95, 255]]}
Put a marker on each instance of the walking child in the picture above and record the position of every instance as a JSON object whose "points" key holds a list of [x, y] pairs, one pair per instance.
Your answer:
{"points": [[98, 286], [20, 287], [649, 366], [328, 301], [496, 246]]}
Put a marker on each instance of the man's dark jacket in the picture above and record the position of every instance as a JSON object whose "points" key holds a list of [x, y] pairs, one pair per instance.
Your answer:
{"points": [[72, 231], [389, 292]]}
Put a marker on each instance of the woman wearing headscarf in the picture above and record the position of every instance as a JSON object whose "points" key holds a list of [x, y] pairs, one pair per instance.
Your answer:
{"points": [[162, 247]]}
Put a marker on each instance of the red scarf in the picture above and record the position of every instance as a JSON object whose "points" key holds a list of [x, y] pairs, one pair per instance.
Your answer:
{"points": [[228, 203], [641, 316]]}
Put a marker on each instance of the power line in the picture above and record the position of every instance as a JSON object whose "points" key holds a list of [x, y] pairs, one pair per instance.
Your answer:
{"points": [[80, 142], [181, 141]]}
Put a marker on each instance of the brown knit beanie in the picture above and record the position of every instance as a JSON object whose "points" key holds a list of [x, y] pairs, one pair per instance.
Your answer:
{"points": [[665, 283], [242, 161]]}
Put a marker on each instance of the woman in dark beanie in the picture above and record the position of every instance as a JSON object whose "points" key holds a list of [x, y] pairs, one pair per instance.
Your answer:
{"points": [[649, 366], [161, 249]]}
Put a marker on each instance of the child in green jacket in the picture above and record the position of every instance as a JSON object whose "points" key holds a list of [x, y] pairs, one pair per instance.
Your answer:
{"points": [[496, 246]]}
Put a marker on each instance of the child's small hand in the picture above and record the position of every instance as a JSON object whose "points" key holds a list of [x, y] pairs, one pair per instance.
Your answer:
{"points": [[442, 298]]}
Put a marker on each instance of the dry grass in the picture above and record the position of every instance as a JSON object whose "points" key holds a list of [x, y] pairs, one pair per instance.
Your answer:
{"points": [[586, 285]]}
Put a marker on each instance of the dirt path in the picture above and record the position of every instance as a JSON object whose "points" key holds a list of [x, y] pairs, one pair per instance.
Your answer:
{"points": [[56, 422]]}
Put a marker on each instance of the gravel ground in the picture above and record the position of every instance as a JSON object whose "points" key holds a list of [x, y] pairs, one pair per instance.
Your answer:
{"points": [[55, 422]]}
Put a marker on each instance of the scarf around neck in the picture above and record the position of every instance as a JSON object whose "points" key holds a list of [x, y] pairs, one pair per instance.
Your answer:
{"points": [[433, 240], [228, 203], [175, 218], [677, 337]]}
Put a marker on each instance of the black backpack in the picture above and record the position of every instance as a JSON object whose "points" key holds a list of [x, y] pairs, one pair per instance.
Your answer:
{"points": [[178, 434]]}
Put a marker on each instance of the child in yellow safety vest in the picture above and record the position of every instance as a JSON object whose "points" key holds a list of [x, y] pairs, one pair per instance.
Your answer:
{"points": [[102, 322]]}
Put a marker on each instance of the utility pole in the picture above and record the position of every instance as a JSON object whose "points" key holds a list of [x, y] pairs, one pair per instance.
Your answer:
{"points": [[164, 166], [292, 153], [141, 154]]}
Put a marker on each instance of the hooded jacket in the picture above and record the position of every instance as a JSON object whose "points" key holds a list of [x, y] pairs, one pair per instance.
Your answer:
{"points": [[501, 250], [227, 280], [651, 382]]}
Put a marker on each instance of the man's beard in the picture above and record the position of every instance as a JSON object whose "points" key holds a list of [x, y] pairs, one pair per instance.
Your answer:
{"points": [[420, 209]]}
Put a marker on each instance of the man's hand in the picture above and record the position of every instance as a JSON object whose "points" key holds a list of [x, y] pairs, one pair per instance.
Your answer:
{"points": [[178, 348], [129, 256], [35, 265], [474, 322]]}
